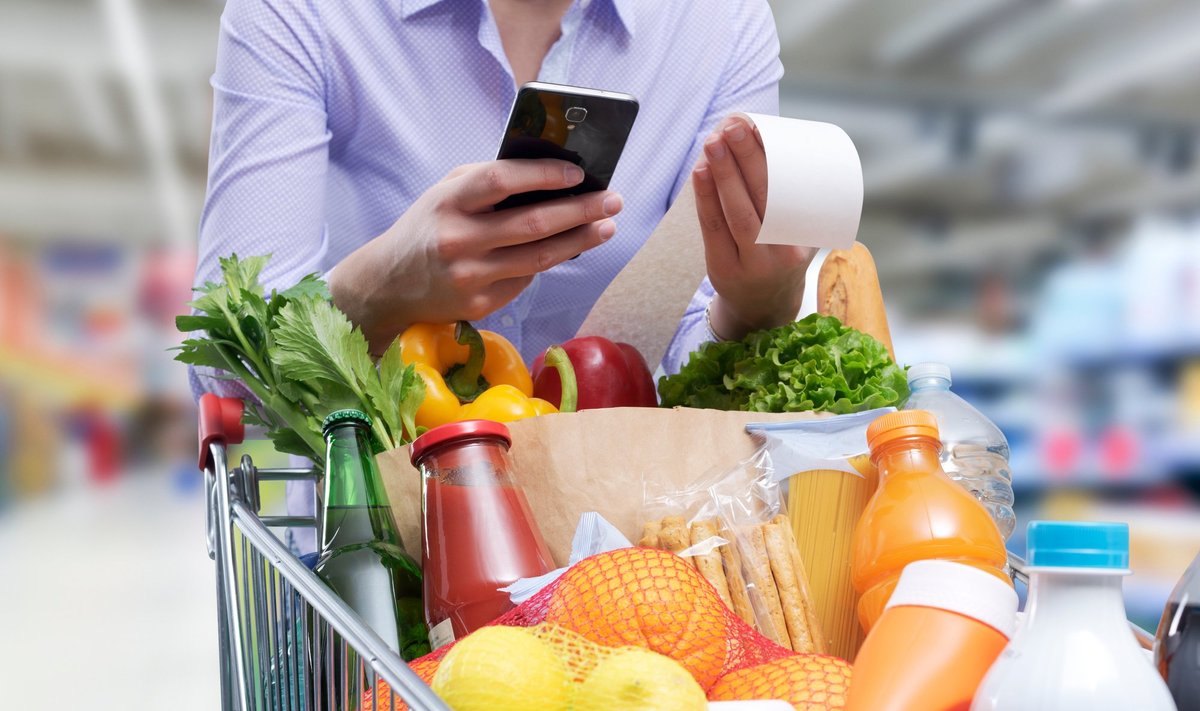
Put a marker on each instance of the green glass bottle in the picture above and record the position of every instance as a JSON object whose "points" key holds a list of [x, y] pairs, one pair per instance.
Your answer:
{"points": [[362, 558]]}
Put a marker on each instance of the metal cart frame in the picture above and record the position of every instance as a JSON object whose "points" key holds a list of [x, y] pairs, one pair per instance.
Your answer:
{"points": [[286, 641]]}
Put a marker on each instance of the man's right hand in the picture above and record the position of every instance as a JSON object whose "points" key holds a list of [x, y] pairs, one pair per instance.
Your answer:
{"points": [[451, 257]]}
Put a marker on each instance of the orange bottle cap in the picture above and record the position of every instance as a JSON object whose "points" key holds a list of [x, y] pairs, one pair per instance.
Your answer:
{"points": [[904, 423]]}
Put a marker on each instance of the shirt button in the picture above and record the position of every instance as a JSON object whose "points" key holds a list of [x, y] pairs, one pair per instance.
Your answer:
{"points": [[507, 321]]}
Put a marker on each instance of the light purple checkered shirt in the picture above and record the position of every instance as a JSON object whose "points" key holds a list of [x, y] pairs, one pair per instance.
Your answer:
{"points": [[331, 118]]}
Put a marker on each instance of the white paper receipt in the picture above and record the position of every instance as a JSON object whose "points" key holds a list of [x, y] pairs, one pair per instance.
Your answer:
{"points": [[814, 183], [441, 634]]}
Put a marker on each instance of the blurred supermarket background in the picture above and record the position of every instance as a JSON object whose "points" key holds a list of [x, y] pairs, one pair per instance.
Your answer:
{"points": [[1032, 200]]}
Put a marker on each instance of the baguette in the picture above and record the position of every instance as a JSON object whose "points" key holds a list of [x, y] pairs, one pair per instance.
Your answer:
{"points": [[848, 288], [758, 565], [792, 592], [709, 564]]}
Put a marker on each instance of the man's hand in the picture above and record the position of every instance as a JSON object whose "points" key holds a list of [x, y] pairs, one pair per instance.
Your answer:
{"points": [[451, 257], [757, 285]]}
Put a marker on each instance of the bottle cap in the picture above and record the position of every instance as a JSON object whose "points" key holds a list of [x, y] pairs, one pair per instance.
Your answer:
{"points": [[467, 429], [905, 423], [1070, 544], [337, 417], [958, 588], [928, 370]]}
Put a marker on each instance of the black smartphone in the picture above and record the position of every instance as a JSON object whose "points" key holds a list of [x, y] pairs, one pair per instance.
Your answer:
{"points": [[587, 127]]}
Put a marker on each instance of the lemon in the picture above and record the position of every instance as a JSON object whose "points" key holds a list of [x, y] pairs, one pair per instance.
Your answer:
{"points": [[502, 669], [633, 679]]}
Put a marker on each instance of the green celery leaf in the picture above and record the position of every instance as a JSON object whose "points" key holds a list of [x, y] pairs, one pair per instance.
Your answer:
{"points": [[255, 416], [238, 324], [212, 302], [315, 341], [397, 392], [204, 353], [288, 441], [310, 285], [242, 274], [188, 324]]}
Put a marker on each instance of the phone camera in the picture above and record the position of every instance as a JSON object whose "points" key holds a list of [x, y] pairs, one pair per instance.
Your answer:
{"points": [[576, 114]]}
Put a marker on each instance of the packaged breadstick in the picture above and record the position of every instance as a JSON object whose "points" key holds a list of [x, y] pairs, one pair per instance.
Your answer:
{"points": [[726, 523], [750, 504], [710, 563], [684, 521]]}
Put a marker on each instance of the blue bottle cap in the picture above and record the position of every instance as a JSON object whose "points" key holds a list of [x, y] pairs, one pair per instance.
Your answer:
{"points": [[1069, 544]]}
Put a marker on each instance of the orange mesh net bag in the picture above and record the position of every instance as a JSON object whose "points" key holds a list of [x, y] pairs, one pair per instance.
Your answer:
{"points": [[621, 624]]}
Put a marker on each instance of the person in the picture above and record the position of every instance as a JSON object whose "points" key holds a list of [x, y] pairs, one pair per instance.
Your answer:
{"points": [[353, 140]]}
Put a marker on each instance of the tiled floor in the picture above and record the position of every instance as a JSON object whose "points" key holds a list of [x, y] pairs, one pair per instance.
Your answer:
{"points": [[107, 600]]}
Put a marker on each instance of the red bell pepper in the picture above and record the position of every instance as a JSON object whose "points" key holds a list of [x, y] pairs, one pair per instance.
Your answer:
{"points": [[608, 375]]}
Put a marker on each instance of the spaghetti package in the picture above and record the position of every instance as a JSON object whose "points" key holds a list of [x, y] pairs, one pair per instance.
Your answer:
{"points": [[733, 527]]}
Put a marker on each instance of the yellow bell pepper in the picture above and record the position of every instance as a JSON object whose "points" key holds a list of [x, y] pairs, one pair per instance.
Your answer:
{"points": [[470, 374], [504, 403]]}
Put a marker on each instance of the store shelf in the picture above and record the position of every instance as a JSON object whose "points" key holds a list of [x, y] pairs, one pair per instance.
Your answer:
{"points": [[1180, 452], [1163, 460], [71, 382], [1133, 354]]}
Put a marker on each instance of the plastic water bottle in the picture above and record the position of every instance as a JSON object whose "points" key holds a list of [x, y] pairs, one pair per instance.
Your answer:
{"points": [[1075, 650], [974, 451]]}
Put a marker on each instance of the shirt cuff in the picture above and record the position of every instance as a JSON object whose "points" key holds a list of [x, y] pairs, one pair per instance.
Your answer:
{"points": [[693, 331]]}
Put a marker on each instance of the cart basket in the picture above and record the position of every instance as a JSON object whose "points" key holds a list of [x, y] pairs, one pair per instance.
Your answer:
{"points": [[286, 641]]}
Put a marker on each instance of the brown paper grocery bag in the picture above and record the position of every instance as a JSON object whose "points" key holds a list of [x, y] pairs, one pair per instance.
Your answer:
{"points": [[595, 460]]}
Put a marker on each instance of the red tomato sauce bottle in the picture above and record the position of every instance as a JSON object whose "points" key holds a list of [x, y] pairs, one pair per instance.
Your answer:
{"points": [[478, 533]]}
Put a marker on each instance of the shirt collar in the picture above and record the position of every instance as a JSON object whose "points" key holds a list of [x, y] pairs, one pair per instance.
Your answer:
{"points": [[625, 9]]}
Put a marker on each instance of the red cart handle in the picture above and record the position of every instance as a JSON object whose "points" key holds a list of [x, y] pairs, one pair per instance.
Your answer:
{"points": [[220, 421]]}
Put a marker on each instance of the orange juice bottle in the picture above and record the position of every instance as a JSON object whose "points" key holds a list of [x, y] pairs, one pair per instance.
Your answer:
{"points": [[917, 513], [942, 630]]}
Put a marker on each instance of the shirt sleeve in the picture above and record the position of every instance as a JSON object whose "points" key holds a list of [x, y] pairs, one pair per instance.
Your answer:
{"points": [[750, 83], [269, 151]]}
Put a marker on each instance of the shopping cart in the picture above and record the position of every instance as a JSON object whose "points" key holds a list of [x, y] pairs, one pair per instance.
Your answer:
{"points": [[287, 642]]}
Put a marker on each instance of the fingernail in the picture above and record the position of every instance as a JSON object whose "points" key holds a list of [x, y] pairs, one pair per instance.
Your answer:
{"points": [[612, 204], [702, 173], [735, 132], [573, 174], [608, 228], [715, 147]]}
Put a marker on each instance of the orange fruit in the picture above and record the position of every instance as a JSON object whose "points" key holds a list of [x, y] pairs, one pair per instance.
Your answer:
{"points": [[810, 682], [645, 598], [425, 667]]}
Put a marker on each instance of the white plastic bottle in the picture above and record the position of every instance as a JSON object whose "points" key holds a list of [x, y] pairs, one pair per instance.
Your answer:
{"points": [[1075, 650], [974, 450]]}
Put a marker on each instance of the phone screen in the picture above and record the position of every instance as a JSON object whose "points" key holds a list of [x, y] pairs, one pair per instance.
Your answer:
{"points": [[589, 131]]}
